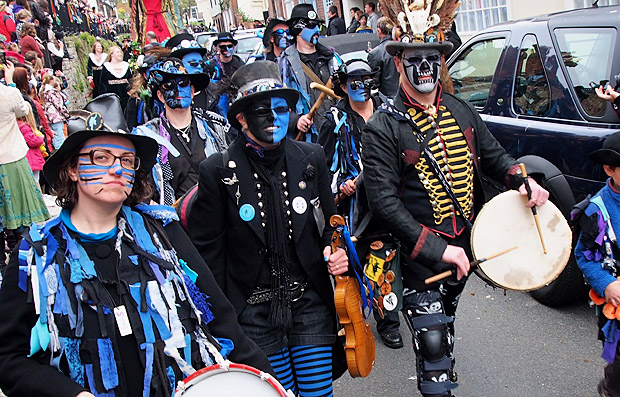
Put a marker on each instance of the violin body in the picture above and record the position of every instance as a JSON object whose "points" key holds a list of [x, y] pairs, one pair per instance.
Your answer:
{"points": [[360, 343]]}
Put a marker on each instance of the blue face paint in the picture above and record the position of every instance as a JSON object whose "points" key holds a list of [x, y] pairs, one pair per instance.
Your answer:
{"points": [[92, 174], [283, 42], [193, 63], [109, 146], [311, 35], [268, 120], [359, 95], [178, 97]]}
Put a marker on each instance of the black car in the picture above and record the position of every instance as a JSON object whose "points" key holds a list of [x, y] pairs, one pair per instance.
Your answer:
{"points": [[533, 82]]}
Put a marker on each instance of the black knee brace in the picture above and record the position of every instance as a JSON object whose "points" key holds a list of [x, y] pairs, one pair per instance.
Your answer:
{"points": [[432, 342]]}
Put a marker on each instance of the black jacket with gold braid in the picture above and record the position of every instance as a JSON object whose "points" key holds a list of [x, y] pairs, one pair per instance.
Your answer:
{"points": [[406, 197]]}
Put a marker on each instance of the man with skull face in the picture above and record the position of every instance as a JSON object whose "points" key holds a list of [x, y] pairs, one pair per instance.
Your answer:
{"points": [[424, 157], [268, 203], [186, 135], [306, 49]]}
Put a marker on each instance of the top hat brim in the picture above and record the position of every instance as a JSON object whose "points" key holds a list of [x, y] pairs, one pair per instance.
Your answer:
{"points": [[218, 41], [606, 157], [146, 150], [200, 81], [291, 22], [181, 52], [239, 105], [395, 47]]}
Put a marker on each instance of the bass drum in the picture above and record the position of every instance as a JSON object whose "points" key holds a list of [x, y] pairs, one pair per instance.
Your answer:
{"points": [[231, 380], [184, 204], [505, 222]]}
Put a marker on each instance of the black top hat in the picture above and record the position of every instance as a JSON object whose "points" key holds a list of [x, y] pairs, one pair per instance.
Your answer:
{"points": [[101, 116], [170, 68], [609, 154], [224, 36], [352, 67], [303, 11], [267, 35], [258, 80], [182, 44]]}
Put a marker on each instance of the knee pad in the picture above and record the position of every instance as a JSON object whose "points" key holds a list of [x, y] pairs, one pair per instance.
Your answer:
{"points": [[432, 342]]}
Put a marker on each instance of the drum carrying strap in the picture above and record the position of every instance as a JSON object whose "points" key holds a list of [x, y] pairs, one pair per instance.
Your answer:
{"points": [[428, 155]]}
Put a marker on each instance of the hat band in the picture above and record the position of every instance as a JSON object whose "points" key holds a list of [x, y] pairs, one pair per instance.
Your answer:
{"points": [[259, 85]]}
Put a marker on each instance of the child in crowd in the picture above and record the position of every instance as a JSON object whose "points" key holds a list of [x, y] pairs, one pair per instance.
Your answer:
{"points": [[34, 140], [596, 251], [55, 108]]}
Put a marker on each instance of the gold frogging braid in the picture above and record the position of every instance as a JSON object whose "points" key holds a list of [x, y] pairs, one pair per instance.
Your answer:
{"points": [[448, 143]]}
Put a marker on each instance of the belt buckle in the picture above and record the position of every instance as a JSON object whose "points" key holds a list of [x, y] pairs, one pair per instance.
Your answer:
{"points": [[296, 288]]}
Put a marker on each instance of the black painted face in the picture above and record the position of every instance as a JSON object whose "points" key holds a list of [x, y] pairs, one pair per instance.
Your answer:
{"points": [[268, 118], [422, 67], [177, 92]]}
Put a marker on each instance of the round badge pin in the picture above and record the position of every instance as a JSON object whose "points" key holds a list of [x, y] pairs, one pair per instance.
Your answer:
{"points": [[300, 205], [247, 212], [390, 301]]}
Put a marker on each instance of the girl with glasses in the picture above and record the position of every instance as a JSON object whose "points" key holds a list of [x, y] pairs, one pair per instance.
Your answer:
{"points": [[115, 295]]}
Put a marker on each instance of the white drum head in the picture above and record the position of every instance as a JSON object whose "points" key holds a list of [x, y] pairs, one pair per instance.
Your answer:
{"points": [[236, 381], [506, 222]]}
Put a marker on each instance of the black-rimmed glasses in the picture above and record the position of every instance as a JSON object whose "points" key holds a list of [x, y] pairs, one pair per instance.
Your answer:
{"points": [[105, 158]]}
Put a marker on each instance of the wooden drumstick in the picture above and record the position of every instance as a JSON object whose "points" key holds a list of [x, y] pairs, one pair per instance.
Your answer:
{"points": [[316, 106], [526, 182], [473, 264]]}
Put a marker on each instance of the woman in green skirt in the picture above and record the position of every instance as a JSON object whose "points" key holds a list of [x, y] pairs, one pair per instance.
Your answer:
{"points": [[21, 201]]}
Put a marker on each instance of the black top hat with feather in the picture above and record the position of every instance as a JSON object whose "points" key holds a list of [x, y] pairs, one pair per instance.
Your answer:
{"points": [[423, 24]]}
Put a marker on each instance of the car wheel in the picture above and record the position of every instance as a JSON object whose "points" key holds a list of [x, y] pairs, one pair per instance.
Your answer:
{"points": [[569, 287]]}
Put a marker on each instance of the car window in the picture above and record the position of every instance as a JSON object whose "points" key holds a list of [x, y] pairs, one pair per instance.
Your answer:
{"points": [[472, 72], [247, 44], [587, 53], [531, 93]]}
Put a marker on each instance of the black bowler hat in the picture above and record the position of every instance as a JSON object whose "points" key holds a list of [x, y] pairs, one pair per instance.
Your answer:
{"points": [[101, 116], [224, 36], [303, 11], [272, 23], [352, 67], [609, 154], [182, 44], [258, 80]]}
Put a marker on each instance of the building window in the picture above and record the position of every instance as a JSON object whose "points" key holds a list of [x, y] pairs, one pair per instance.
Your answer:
{"points": [[475, 15], [588, 3]]}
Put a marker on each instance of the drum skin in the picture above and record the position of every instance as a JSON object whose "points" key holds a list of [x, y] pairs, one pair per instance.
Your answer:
{"points": [[237, 380], [505, 222]]}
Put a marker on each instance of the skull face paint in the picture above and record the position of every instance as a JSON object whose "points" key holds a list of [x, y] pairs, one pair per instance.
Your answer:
{"points": [[357, 90], [311, 35], [422, 68], [177, 93], [268, 119], [193, 63]]}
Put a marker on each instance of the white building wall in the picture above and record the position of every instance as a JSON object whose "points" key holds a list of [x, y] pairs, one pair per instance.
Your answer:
{"points": [[253, 8]]}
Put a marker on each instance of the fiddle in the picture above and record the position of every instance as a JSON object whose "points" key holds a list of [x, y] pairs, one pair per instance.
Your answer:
{"points": [[360, 343]]}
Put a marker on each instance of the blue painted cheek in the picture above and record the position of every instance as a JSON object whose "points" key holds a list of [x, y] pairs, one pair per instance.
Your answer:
{"points": [[307, 34], [186, 96], [356, 95], [283, 42], [280, 120]]}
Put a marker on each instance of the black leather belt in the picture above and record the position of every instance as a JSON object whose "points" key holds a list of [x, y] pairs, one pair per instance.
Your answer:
{"points": [[262, 294]]}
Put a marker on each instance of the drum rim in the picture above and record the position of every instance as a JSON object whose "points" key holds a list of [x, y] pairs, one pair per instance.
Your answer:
{"points": [[241, 368], [485, 277]]}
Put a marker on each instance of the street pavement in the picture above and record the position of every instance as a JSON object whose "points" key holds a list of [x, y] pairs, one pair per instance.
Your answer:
{"points": [[506, 345]]}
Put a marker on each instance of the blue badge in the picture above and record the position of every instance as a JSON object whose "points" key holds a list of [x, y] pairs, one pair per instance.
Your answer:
{"points": [[247, 212]]}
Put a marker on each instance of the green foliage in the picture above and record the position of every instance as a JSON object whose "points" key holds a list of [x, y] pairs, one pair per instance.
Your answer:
{"points": [[244, 16]]}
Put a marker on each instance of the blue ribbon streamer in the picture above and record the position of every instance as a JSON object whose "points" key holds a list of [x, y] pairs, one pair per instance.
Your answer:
{"points": [[357, 269]]}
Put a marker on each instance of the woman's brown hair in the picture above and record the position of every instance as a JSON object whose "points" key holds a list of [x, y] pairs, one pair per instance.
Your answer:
{"points": [[66, 189], [20, 78], [26, 29]]}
